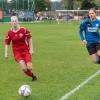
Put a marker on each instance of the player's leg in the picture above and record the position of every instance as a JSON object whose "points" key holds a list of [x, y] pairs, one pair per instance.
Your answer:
{"points": [[19, 58], [23, 66], [93, 53], [94, 57], [98, 51], [29, 68], [28, 61]]}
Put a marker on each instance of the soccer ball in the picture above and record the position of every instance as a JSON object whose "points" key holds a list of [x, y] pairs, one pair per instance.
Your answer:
{"points": [[25, 90]]}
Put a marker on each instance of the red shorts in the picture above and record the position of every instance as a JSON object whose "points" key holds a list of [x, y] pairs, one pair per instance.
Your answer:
{"points": [[26, 57]]}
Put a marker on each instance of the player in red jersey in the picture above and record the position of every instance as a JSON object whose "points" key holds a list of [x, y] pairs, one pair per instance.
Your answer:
{"points": [[21, 45]]}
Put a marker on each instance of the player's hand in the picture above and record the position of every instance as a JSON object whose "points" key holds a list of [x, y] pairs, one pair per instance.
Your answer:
{"points": [[84, 42], [31, 52], [6, 56]]}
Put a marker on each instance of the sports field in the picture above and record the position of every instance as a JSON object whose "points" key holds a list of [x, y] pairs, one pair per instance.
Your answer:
{"points": [[60, 62]]}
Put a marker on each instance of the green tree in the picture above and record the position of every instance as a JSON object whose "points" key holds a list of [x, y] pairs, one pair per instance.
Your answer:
{"points": [[37, 5], [83, 4], [97, 2], [41, 5], [68, 4], [71, 4], [21, 4], [87, 4], [48, 4], [13, 4], [3, 4], [77, 4]]}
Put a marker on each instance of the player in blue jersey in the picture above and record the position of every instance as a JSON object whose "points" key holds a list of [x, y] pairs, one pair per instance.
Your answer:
{"points": [[90, 36]]}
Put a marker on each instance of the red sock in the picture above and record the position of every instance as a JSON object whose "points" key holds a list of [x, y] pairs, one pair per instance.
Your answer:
{"points": [[29, 73]]}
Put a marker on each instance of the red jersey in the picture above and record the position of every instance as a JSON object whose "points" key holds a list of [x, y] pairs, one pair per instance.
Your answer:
{"points": [[19, 40]]}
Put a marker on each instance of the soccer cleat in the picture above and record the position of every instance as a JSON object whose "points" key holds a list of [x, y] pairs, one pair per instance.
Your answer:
{"points": [[34, 78]]}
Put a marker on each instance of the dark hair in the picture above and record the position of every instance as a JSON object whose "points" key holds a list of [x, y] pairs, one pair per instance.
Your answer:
{"points": [[86, 16], [94, 10]]}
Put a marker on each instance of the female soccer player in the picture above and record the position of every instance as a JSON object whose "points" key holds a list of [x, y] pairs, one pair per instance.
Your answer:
{"points": [[21, 45], [91, 27]]}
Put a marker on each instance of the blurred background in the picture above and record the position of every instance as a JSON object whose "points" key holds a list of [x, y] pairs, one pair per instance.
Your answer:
{"points": [[40, 10]]}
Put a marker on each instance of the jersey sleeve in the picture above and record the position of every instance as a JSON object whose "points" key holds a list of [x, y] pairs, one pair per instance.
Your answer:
{"points": [[82, 28], [7, 40], [27, 34]]}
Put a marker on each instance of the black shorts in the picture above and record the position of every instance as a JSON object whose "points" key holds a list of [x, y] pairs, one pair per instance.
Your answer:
{"points": [[93, 48]]}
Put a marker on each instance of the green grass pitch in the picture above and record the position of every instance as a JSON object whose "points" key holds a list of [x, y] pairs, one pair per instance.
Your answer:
{"points": [[60, 62]]}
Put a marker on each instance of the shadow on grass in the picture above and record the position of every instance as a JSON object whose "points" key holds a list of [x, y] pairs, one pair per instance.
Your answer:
{"points": [[26, 98]]}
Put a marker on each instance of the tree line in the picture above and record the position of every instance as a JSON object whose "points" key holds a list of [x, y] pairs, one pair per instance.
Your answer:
{"points": [[81, 4], [42, 5]]}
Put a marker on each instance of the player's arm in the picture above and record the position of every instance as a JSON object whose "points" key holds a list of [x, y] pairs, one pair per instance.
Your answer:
{"points": [[31, 45], [30, 42], [7, 43], [82, 28], [6, 51]]}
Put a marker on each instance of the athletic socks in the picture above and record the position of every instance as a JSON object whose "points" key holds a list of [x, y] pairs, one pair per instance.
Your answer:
{"points": [[30, 73]]}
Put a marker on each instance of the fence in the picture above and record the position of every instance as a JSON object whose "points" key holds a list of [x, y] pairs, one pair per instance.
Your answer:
{"points": [[75, 14], [50, 15]]}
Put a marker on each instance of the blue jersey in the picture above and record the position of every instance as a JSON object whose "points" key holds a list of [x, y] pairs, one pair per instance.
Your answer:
{"points": [[91, 30]]}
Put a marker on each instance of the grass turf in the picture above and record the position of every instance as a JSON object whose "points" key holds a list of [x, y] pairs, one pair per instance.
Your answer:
{"points": [[60, 62]]}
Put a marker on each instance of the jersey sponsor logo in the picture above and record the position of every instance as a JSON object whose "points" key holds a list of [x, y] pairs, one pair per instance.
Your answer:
{"points": [[97, 25], [92, 29], [21, 34]]}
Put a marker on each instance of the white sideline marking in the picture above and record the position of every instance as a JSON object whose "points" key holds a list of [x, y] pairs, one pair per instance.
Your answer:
{"points": [[67, 95]]}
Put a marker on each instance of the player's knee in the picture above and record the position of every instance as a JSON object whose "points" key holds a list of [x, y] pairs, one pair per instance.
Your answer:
{"points": [[97, 60], [29, 66]]}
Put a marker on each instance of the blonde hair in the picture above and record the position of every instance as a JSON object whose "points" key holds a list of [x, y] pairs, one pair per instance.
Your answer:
{"points": [[14, 18]]}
